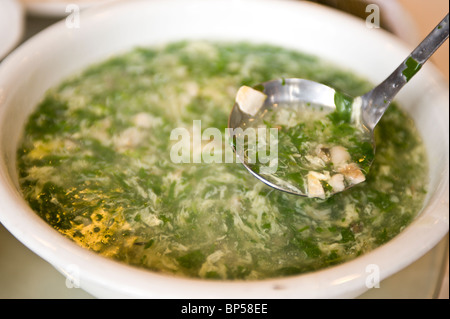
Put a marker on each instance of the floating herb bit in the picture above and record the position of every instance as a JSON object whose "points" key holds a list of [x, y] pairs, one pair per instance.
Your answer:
{"points": [[344, 108]]}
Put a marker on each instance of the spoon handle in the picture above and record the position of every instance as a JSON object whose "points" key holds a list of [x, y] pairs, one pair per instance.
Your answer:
{"points": [[375, 102]]}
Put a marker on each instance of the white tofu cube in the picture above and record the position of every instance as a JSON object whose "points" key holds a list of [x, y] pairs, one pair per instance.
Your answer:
{"points": [[250, 100]]}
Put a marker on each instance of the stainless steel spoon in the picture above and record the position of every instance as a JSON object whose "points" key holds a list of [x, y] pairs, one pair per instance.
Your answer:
{"points": [[367, 109]]}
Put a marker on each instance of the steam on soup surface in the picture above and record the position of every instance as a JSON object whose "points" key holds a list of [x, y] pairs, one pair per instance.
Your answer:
{"points": [[95, 164]]}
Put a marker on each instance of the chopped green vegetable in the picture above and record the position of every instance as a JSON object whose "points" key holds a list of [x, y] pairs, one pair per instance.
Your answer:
{"points": [[319, 152]]}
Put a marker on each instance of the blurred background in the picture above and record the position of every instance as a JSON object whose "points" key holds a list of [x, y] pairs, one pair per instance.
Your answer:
{"points": [[25, 275]]}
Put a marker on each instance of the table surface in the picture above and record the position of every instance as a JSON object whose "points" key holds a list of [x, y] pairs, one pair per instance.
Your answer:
{"points": [[24, 275]]}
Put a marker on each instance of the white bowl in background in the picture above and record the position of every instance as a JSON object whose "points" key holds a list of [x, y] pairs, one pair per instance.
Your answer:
{"points": [[57, 52], [11, 25]]}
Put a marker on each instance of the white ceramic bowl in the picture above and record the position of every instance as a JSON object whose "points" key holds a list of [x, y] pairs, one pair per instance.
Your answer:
{"points": [[59, 51]]}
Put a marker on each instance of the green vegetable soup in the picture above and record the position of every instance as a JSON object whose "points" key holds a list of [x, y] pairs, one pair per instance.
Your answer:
{"points": [[95, 164]]}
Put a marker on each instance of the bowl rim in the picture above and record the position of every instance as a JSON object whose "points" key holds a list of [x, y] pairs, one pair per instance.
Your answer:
{"points": [[62, 253]]}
